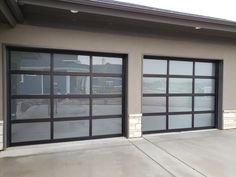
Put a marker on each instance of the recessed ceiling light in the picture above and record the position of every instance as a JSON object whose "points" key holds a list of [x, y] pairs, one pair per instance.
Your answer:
{"points": [[74, 11], [197, 28]]}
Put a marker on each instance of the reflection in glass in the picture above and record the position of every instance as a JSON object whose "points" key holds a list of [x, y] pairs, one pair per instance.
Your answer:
{"points": [[107, 106], [204, 69], [181, 68], [180, 104], [154, 85], [25, 84], [23, 132], [71, 129], [204, 103], [107, 65], [107, 85], [71, 107], [154, 66], [180, 121], [71, 63], [177, 85], [64, 85], [29, 61], [204, 86], [106, 126], [153, 104], [152, 123], [30, 108], [204, 120]]}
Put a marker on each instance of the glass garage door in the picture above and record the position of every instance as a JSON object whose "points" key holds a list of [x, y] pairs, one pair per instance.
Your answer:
{"points": [[178, 94], [60, 96]]}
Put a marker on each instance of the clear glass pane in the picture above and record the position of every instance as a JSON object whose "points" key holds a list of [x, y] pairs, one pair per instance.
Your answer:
{"points": [[180, 104], [204, 103], [71, 107], [29, 61], [177, 85], [23, 132], [181, 68], [180, 121], [154, 85], [106, 126], [154, 66], [71, 129], [65, 85], [204, 86], [153, 104], [107, 85], [25, 84], [107, 106], [204, 120], [152, 123], [30, 108], [107, 65], [71, 63], [204, 69]]}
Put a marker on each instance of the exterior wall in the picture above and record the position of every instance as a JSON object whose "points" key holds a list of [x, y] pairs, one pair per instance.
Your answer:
{"points": [[229, 119], [1, 135], [134, 45]]}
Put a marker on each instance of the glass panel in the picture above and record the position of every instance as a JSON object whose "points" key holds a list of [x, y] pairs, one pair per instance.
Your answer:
{"points": [[30, 132], [152, 123], [180, 104], [29, 61], [154, 104], [107, 85], [25, 84], [30, 108], [180, 121], [71, 63], [71, 107], [154, 85], [71, 129], [107, 65], [204, 103], [107, 106], [106, 126], [204, 86], [204, 120], [204, 69], [181, 68], [154, 66], [64, 85], [180, 85]]}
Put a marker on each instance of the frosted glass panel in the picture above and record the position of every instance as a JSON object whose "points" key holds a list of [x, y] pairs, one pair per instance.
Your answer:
{"points": [[107, 126], [154, 66], [154, 104], [204, 69], [177, 85], [181, 68], [180, 104], [154, 85], [204, 103], [180, 121], [204, 120], [204, 86], [152, 123]]}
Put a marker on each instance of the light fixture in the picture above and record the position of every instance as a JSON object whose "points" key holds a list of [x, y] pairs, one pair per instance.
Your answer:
{"points": [[74, 11], [197, 28]]}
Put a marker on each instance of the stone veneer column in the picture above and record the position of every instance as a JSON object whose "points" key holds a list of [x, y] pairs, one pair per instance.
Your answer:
{"points": [[1, 135], [135, 126], [229, 119]]}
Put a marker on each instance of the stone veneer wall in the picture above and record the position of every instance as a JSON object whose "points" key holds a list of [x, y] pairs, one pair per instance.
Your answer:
{"points": [[229, 119], [1, 135], [135, 126]]}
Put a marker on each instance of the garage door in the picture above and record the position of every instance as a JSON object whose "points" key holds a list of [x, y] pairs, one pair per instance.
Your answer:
{"points": [[64, 95], [178, 94]]}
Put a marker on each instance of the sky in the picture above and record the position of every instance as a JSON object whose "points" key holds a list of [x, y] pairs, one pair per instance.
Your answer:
{"points": [[225, 9]]}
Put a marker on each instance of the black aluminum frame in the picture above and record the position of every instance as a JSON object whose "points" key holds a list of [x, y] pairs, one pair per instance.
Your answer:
{"points": [[193, 94], [51, 95]]}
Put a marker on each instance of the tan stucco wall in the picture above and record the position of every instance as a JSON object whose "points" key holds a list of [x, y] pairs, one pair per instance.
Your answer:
{"points": [[135, 46]]}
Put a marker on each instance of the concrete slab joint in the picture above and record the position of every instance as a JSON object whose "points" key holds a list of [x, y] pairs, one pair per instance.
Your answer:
{"points": [[1, 135], [229, 119], [135, 126]]}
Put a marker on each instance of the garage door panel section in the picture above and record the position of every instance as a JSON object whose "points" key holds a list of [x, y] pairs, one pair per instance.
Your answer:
{"points": [[58, 95], [178, 94]]}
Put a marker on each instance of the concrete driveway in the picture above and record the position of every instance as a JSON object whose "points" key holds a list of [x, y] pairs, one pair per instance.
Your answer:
{"points": [[208, 153]]}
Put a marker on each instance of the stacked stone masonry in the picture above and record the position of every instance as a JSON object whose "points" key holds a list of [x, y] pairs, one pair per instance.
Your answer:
{"points": [[1, 135], [135, 125], [229, 119]]}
